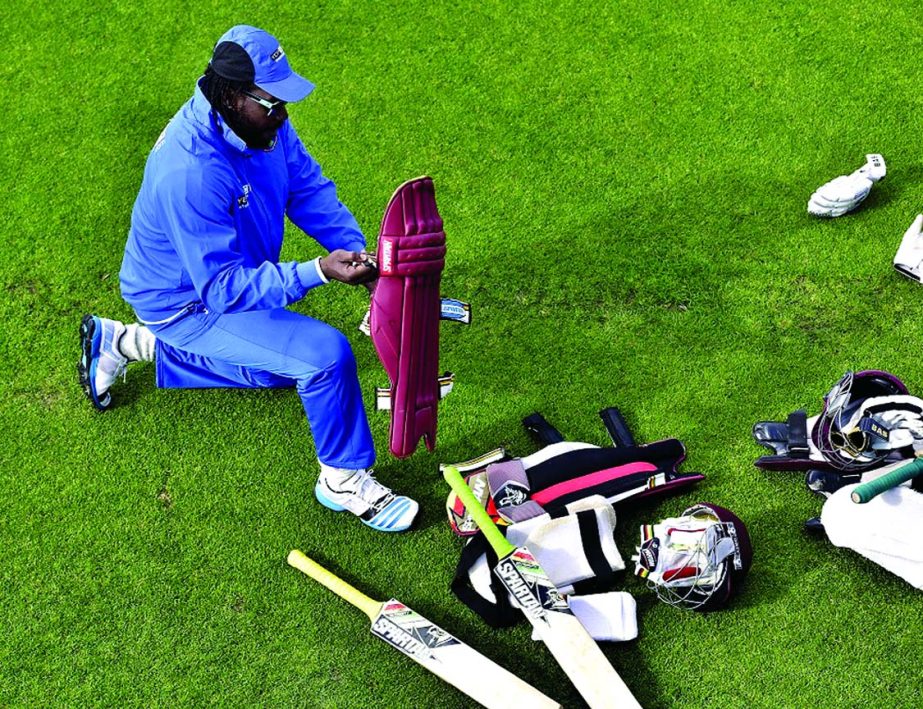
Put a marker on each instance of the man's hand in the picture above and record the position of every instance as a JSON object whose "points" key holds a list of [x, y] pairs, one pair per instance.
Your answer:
{"points": [[351, 267]]}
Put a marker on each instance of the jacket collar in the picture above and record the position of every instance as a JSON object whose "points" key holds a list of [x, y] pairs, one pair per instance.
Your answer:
{"points": [[211, 120]]}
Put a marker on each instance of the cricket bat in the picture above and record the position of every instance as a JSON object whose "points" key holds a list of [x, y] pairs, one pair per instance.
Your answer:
{"points": [[866, 491], [429, 645], [536, 596]]}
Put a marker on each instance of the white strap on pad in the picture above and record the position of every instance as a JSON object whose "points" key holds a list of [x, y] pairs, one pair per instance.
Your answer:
{"points": [[383, 394]]}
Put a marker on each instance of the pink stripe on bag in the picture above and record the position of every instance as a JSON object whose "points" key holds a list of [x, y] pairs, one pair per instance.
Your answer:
{"points": [[543, 497]]}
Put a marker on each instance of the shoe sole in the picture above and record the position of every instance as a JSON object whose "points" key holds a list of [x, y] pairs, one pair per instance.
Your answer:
{"points": [[86, 367]]}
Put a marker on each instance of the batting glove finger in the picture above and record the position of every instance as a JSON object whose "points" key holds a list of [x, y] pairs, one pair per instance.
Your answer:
{"points": [[840, 195]]}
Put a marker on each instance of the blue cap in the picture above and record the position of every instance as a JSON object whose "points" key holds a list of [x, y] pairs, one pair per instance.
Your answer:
{"points": [[246, 53]]}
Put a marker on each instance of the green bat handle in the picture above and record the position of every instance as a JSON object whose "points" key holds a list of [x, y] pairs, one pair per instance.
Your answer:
{"points": [[866, 491], [476, 510]]}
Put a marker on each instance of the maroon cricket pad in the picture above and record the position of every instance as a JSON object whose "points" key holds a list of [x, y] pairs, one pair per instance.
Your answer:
{"points": [[405, 312]]}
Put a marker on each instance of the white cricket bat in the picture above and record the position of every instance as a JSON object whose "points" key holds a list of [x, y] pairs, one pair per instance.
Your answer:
{"points": [[536, 596], [429, 645]]}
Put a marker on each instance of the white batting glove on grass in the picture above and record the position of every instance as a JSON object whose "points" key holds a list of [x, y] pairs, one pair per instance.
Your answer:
{"points": [[909, 258], [843, 194]]}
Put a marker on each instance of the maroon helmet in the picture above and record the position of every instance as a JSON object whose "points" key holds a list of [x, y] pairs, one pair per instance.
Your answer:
{"points": [[697, 560], [853, 432]]}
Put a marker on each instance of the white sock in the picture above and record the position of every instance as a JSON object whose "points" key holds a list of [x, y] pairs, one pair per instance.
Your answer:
{"points": [[335, 475], [137, 343]]}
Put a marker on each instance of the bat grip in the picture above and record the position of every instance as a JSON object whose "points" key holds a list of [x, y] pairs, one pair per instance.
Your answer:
{"points": [[867, 491], [348, 593], [494, 536]]}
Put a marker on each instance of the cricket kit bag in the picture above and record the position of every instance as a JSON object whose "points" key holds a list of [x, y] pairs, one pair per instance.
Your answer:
{"points": [[561, 502], [405, 312], [516, 489]]}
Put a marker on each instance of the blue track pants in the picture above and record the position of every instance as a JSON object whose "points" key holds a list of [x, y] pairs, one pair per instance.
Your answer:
{"points": [[274, 348]]}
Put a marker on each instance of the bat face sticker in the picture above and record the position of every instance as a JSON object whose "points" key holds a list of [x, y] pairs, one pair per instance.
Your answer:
{"points": [[408, 631]]}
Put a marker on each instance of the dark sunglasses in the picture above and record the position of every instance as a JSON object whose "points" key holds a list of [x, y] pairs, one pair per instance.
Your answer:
{"points": [[270, 106]]}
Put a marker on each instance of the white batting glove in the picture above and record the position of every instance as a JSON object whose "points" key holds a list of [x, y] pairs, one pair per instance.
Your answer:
{"points": [[904, 428], [909, 258], [845, 193]]}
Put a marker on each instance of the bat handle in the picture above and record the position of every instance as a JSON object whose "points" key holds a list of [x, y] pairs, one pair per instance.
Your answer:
{"points": [[348, 593], [476, 510], [866, 491]]}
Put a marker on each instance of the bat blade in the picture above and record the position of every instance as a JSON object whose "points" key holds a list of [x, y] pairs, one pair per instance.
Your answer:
{"points": [[431, 646], [568, 641]]}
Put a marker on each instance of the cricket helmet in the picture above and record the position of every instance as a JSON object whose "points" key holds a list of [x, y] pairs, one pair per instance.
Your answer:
{"points": [[697, 560], [850, 429]]}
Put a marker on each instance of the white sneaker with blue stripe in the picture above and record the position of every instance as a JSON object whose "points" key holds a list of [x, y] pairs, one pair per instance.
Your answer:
{"points": [[360, 493], [101, 361]]}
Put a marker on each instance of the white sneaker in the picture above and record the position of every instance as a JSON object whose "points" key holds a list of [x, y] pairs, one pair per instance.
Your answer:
{"points": [[360, 493], [101, 362]]}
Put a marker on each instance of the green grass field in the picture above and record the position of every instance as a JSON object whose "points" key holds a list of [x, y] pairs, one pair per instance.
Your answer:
{"points": [[623, 187]]}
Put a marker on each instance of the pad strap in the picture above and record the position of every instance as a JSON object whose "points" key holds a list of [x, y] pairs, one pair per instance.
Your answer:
{"points": [[790, 443], [617, 427], [449, 309], [798, 434], [455, 310], [383, 394], [541, 430]]}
